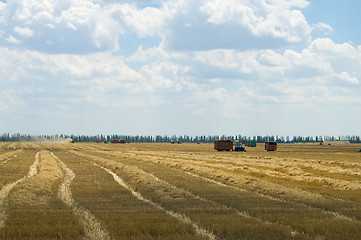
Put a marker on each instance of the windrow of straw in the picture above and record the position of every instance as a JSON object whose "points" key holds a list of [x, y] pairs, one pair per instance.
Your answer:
{"points": [[123, 214], [304, 206], [225, 222], [4, 192], [5, 157], [179, 191], [92, 227], [34, 210]]}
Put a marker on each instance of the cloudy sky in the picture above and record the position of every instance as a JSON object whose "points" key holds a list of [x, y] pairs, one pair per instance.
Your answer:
{"points": [[148, 67]]}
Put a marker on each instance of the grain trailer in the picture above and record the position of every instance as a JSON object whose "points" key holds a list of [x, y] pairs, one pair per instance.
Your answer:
{"points": [[270, 146], [223, 145]]}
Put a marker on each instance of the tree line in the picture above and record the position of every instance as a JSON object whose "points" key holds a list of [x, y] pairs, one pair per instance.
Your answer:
{"points": [[6, 137]]}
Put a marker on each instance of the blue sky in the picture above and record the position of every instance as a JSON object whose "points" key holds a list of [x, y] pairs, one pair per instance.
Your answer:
{"points": [[285, 67], [342, 15]]}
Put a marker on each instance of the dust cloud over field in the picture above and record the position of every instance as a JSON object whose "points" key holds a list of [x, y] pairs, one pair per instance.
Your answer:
{"points": [[179, 191]]}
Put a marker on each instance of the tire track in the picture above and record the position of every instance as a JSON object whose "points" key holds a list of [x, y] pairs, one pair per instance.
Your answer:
{"points": [[334, 214], [180, 217], [331, 216], [293, 232], [10, 155], [14, 156], [280, 169], [192, 165], [92, 227], [4, 192], [289, 230], [224, 171], [315, 172]]}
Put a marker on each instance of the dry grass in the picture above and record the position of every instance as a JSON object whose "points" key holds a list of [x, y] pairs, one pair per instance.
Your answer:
{"points": [[184, 191], [226, 222], [92, 227], [322, 204], [16, 166], [34, 211], [6, 156], [5, 190], [124, 216]]}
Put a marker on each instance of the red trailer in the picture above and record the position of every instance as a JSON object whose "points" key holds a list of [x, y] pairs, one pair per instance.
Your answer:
{"points": [[270, 146], [223, 145]]}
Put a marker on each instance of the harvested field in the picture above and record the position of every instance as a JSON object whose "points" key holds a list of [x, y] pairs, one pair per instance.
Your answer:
{"points": [[183, 191]]}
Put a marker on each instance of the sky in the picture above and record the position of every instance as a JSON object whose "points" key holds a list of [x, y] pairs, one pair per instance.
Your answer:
{"points": [[183, 67]]}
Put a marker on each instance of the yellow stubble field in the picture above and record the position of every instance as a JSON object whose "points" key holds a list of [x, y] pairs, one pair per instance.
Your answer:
{"points": [[179, 191]]}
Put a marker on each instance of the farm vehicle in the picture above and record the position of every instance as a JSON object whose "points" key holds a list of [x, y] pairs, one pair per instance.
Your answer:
{"points": [[238, 147], [227, 145], [270, 146], [251, 144]]}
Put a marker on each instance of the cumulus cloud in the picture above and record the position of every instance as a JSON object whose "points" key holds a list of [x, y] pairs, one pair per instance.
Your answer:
{"points": [[145, 22], [78, 27], [323, 27], [24, 32], [59, 26], [94, 79], [12, 40], [207, 80], [308, 78], [226, 58], [86, 26], [345, 76], [236, 24]]}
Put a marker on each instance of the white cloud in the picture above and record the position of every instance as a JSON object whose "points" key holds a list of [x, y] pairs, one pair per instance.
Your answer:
{"points": [[24, 32], [262, 19], [216, 58], [323, 27], [162, 76], [236, 24], [145, 22], [327, 46], [305, 78], [314, 75], [85, 26], [78, 27], [71, 26], [12, 40], [345, 76]]}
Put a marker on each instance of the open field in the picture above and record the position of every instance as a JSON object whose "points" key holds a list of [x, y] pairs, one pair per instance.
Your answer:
{"points": [[179, 191]]}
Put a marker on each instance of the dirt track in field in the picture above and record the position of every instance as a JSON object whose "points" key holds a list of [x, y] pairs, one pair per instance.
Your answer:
{"points": [[188, 191]]}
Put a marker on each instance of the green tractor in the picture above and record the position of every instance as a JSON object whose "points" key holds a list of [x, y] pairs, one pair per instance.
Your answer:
{"points": [[238, 147]]}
